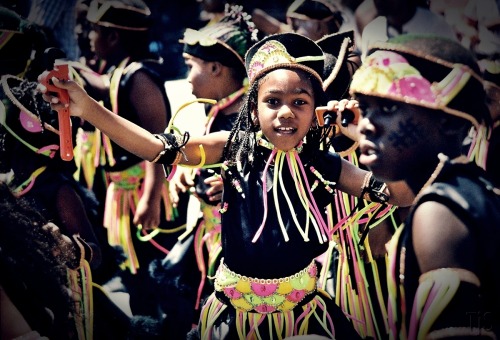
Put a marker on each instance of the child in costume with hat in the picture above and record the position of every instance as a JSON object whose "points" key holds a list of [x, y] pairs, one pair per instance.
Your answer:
{"points": [[419, 97], [277, 182], [215, 59], [136, 198]]}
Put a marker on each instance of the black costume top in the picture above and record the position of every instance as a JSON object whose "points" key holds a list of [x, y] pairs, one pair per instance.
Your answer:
{"points": [[153, 68], [466, 191], [271, 256]]}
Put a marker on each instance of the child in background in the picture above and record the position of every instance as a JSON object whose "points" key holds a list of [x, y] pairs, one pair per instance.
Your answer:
{"points": [[277, 182], [136, 198], [215, 59], [419, 97]]}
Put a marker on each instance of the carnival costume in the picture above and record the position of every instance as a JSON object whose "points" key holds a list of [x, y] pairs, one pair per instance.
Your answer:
{"points": [[432, 304], [444, 293], [125, 171], [350, 271], [187, 272], [273, 224]]}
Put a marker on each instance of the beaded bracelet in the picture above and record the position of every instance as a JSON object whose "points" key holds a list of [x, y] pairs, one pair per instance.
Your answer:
{"points": [[373, 190], [172, 144]]}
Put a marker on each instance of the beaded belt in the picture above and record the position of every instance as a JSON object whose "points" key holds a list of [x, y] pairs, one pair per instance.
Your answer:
{"points": [[266, 295]]}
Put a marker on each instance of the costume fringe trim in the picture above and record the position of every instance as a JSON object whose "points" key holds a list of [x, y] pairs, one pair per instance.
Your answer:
{"points": [[122, 197], [269, 326], [80, 284]]}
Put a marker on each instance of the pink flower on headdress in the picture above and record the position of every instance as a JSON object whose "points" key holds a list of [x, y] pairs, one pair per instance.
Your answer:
{"points": [[415, 87], [254, 68], [384, 59]]}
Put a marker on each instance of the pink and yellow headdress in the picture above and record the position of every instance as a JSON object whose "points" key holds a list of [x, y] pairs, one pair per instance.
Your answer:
{"points": [[285, 50], [387, 73]]}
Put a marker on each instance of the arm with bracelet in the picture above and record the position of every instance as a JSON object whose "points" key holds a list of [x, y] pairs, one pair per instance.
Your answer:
{"points": [[132, 137]]}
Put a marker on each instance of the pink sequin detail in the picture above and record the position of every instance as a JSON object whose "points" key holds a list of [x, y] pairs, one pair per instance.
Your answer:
{"points": [[263, 289], [265, 309], [313, 271], [296, 295], [232, 293]]}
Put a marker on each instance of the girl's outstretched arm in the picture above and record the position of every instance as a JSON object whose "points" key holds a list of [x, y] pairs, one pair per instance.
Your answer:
{"points": [[128, 135]]}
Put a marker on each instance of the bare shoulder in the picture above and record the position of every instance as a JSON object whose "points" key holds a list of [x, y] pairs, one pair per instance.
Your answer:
{"points": [[440, 238]]}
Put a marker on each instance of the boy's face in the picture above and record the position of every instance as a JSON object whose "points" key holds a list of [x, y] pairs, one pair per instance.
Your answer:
{"points": [[199, 76], [396, 139], [285, 107], [99, 43]]}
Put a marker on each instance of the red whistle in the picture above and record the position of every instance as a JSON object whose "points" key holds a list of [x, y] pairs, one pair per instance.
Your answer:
{"points": [[61, 72]]}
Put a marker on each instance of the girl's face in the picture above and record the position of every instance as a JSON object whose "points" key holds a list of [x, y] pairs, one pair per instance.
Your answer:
{"points": [[285, 107], [394, 138], [199, 76]]}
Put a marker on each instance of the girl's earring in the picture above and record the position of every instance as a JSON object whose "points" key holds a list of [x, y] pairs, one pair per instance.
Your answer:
{"points": [[255, 120], [314, 124]]}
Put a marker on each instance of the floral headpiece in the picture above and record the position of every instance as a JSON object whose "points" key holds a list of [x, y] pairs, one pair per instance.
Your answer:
{"points": [[388, 74], [226, 41], [286, 50]]}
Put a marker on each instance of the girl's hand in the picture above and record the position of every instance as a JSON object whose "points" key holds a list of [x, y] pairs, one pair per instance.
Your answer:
{"points": [[78, 97], [348, 114], [181, 182], [215, 192]]}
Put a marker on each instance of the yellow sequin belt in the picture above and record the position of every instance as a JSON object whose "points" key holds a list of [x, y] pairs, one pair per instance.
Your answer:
{"points": [[265, 295]]}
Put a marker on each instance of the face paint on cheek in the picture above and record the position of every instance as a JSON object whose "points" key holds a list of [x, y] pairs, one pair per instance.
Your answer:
{"points": [[407, 134]]}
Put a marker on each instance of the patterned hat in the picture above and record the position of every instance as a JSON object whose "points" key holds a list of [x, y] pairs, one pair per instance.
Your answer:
{"points": [[424, 71], [226, 41], [132, 15], [284, 50], [338, 70]]}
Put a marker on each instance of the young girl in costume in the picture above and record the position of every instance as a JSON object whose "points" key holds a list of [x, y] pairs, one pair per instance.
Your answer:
{"points": [[215, 59], [419, 97], [277, 182]]}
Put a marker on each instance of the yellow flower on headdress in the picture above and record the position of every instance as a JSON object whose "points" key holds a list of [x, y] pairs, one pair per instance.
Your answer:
{"points": [[193, 37]]}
